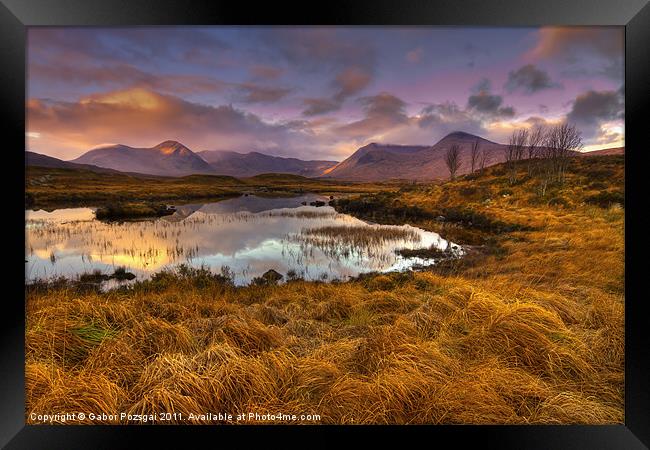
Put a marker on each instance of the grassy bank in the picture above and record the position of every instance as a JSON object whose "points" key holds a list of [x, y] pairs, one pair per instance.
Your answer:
{"points": [[528, 328], [51, 188]]}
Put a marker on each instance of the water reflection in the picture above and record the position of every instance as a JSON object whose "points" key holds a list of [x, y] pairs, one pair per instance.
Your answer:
{"points": [[248, 234]]}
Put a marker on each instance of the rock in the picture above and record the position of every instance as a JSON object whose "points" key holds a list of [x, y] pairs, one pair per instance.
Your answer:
{"points": [[440, 219], [317, 203], [268, 278], [272, 276], [121, 274]]}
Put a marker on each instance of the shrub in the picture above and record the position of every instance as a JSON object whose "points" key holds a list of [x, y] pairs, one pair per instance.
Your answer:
{"points": [[385, 205], [468, 191], [559, 201], [122, 274], [599, 174], [606, 198], [598, 185], [474, 219]]}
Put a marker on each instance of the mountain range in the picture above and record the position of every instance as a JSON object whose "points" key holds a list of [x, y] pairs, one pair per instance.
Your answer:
{"points": [[37, 159], [255, 163], [372, 162], [169, 158]]}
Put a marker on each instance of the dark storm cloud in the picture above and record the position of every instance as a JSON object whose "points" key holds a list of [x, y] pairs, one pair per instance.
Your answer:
{"points": [[384, 104], [529, 79], [489, 104], [506, 111], [447, 117], [482, 101], [382, 112], [591, 109], [347, 83], [316, 106], [485, 102]]}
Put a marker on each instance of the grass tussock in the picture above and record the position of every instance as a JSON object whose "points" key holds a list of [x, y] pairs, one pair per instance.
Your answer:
{"points": [[524, 329]]}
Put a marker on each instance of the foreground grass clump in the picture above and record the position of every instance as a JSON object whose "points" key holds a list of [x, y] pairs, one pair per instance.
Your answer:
{"points": [[524, 329]]}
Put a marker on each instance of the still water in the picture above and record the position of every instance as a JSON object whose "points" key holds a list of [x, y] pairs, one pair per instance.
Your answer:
{"points": [[248, 234]]}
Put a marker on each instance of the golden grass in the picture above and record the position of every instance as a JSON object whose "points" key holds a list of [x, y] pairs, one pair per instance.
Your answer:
{"points": [[530, 335]]}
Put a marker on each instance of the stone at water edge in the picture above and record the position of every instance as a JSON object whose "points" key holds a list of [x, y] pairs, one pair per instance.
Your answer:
{"points": [[272, 276]]}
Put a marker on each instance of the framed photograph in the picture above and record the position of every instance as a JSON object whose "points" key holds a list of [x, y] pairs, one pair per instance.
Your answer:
{"points": [[363, 214]]}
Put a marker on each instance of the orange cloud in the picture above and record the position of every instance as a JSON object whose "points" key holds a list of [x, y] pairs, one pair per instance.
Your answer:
{"points": [[567, 42], [140, 117]]}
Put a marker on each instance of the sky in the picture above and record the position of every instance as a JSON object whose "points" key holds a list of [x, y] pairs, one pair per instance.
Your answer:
{"points": [[316, 92]]}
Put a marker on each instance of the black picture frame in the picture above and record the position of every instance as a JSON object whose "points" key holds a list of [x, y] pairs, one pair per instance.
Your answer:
{"points": [[17, 15]]}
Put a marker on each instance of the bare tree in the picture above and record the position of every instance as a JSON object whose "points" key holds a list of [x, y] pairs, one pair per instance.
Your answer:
{"points": [[521, 138], [483, 159], [561, 143], [452, 159], [474, 154], [514, 151], [535, 138], [544, 165]]}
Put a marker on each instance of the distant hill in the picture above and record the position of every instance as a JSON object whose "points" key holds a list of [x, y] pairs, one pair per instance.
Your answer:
{"points": [[255, 163], [289, 178], [605, 152], [40, 160], [169, 158], [376, 162]]}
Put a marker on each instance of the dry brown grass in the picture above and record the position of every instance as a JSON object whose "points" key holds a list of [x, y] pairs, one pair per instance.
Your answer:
{"points": [[533, 334]]}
